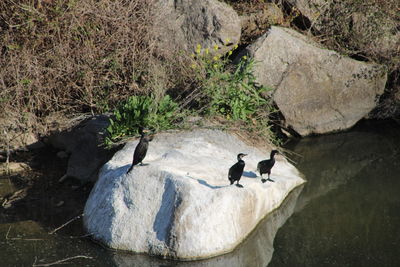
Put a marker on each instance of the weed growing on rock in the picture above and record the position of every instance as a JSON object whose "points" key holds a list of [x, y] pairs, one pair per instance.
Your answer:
{"points": [[230, 90], [142, 111]]}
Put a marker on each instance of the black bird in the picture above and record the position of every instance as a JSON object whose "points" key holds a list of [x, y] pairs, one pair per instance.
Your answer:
{"points": [[265, 166], [140, 150], [236, 171]]}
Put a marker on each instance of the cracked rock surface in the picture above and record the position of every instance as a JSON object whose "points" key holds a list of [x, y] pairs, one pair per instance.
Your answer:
{"points": [[316, 89]]}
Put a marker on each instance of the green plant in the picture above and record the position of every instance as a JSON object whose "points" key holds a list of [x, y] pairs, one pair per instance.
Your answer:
{"points": [[231, 90], [142, 112]]}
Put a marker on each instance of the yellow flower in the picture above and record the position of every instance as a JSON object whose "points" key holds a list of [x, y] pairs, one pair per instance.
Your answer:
{"points": [[198, 49], [215, 66], [227, 40], [193, 66], [216, 47], [206, 51], [235, 47], [244, 57], [230, 53]]}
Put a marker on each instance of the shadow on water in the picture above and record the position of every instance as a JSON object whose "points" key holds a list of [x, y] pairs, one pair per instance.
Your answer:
{"points": [[348, 213]]}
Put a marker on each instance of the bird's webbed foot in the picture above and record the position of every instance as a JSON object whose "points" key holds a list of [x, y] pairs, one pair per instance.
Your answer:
{"points": [[269, 179], [239, 185]]}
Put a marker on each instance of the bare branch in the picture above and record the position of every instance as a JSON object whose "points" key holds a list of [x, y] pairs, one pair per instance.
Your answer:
{"points": [[61, 261], [65, 224]]}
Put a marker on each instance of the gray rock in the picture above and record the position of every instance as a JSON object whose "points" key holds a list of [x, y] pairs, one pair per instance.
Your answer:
{"points": [[317, 90], [179, 204], [185, 24], [84, 144]]}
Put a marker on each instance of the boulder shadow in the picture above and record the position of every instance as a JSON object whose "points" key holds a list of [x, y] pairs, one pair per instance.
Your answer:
{"points": [[249, 174], [208, 185]]}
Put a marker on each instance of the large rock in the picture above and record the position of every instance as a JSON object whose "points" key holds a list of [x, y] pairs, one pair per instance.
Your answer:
{"points": [[256, 250], [317, 90], [185, 24], [180, 204], [84, 143]]}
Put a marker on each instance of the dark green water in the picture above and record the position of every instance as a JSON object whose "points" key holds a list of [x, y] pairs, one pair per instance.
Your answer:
{"points": [[347, 214]]}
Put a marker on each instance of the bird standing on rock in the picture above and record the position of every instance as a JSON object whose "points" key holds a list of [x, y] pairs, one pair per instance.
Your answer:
{"points": [[141, 149], [236, 171], [265, 166]]}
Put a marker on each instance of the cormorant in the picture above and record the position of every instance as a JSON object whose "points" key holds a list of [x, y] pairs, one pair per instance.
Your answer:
{"points": [[140, 150], [236, 171], [265, 166]]}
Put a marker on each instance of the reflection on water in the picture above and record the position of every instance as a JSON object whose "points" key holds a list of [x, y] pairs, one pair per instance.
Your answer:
{"points": [[348, 213]]}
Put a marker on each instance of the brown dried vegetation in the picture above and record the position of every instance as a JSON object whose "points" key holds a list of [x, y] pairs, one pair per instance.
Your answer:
{"points": [[60, 58], [76, 56]]}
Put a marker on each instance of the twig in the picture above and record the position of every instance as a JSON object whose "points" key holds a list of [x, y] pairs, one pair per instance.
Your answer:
{"points": [[60, 261], [8, 152], [73, 219], [9, 228], [81, 236], [65, 176], [20, 238]]}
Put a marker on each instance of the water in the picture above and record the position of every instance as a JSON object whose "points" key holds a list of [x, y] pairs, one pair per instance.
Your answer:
{"points": [[349, 211], [347, 214]]}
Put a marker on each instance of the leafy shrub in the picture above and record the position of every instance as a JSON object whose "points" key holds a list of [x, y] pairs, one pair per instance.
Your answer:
{"points": [[231, 90], [142, 112]]}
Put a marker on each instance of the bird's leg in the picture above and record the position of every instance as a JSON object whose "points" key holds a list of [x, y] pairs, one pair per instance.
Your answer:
{"points": [[238, 185], [262, 179], [269, 179]]}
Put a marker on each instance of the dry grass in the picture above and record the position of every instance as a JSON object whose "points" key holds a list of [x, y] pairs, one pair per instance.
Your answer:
{"points": [[77, 56]]}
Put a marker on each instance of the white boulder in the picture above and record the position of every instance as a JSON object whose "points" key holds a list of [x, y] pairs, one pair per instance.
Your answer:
{"points": [[180, 204]]}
